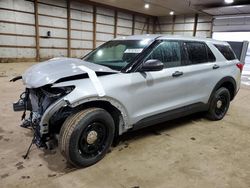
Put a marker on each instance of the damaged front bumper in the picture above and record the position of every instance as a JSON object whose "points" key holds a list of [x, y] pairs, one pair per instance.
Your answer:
{"points": [[41, 108]]}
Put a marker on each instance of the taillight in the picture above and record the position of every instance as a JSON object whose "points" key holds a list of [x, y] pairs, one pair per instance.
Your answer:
{"points": [[240, 66]]}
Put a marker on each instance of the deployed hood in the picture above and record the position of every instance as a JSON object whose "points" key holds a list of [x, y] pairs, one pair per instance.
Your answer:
{"points": [[52, 70]]}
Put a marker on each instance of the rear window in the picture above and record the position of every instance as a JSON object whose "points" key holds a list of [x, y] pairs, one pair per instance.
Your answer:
{"points": [[226, 51], [198, 52]]}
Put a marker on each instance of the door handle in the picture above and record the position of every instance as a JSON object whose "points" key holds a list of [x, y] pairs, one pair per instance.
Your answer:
{"points": [[216, 66], [177, 74]]}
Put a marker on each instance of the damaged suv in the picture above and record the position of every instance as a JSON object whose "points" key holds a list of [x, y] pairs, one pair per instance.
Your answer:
{"points": [[123, 85]]}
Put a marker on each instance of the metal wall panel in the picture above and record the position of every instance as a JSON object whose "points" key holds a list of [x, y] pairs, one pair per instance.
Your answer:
{"points": [[81, 6], [125, 23], [104, 28], [68, 35], [232, 23], [105, 19], [21, 5], [54, 32], [52, 42], [81, 35], [57, 22], [202, 34], [62, 3], [50, 53], [16, 17], [185, 25], [84, 16], [81, 44], [81, 25], [98, 43], [10, 28], [125, 15], [17, 41], [186, 33], [52, 10], [105, 11], [124, 31], [104, 37], [17, 52], [79, 53]]}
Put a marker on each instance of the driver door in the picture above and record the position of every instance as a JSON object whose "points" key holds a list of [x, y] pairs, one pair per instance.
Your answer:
{"points": [[165, 90]]}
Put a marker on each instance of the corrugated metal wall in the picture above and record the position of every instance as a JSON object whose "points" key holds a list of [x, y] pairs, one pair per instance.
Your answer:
{"points": [[231, 23], [188, 25], [13, 33], [75, 28]]}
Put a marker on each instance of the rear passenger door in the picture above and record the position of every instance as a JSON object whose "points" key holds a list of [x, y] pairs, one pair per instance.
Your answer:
{"points": [[201, 70]]}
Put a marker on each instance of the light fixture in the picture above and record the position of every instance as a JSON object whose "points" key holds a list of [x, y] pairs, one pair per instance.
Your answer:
{"points": [[146, 5], [228, 1], [171, 13]]}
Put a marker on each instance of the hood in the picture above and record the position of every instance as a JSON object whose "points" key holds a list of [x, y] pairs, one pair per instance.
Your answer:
{"points": [[52, 70]]}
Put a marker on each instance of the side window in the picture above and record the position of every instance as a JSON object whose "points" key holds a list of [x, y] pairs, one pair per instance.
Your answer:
{"points": [[226, 51], [210, 55], [196, 52], [168, 52]]}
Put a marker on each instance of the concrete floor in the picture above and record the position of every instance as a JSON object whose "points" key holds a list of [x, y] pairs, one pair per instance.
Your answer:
{"points": [[188, 152]]}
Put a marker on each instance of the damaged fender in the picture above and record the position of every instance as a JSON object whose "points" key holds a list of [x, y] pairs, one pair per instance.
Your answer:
{"points": [[95, 92]]}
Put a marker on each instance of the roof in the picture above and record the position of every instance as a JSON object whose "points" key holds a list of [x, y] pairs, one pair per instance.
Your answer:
{"points": [[139, 37], [169, 37]]}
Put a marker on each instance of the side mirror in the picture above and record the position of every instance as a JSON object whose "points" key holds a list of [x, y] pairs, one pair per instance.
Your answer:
{"points": [[152, 65]]}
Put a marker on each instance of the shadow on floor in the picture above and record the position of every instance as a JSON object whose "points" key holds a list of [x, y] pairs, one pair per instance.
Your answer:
{"points": [[159, 128], [58, 164]]}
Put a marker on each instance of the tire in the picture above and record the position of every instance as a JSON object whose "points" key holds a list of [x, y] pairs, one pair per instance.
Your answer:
{"points": [[219, 104], [86, 136]]}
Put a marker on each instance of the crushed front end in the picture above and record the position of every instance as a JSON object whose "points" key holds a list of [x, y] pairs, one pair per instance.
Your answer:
{"points": [[38, 101]]}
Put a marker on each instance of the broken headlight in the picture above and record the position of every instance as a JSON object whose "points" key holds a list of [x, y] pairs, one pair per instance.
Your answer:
{"points": [[55, 92]]}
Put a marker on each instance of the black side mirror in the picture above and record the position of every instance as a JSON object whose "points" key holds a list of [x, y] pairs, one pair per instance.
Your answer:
{"points": [[152, 65]]}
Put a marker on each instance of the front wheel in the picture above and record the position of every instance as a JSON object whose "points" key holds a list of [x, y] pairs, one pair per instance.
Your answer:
{"points": [[219, 104], [86, 136]]}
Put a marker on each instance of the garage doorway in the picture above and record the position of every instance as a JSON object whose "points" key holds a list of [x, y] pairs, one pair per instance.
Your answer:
{"points": [[237, 37]]}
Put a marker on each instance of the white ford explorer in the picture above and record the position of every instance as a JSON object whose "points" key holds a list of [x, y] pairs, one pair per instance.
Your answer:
{"points": [[125, 84]]}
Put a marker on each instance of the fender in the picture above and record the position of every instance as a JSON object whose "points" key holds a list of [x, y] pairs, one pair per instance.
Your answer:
{"points": [[221, 82], [63, 102], [126, 125]]}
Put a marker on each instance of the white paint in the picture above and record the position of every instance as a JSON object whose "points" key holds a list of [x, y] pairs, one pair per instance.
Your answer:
{"points": [[134, 51]]}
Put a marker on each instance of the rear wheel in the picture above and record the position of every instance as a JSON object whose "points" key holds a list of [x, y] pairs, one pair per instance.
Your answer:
{"points": [[219, 104], [86, 136]]}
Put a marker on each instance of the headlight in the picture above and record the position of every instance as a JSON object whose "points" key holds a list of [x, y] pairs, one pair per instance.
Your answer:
{"points": [[56, 92]]}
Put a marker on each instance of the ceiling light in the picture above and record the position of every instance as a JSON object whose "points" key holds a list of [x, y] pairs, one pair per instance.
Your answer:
{"points": [[228, 1], [171, 12], [146, 5]]}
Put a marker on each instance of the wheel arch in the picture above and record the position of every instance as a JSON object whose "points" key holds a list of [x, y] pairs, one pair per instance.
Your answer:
{"points": [[115, 108], [227, 82]]}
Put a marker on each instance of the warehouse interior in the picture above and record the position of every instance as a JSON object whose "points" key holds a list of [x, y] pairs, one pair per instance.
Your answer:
{"points": [[186, 152]]}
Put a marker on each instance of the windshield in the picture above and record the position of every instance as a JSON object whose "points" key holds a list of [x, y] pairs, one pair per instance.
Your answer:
{"points": [[117, 54]]}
